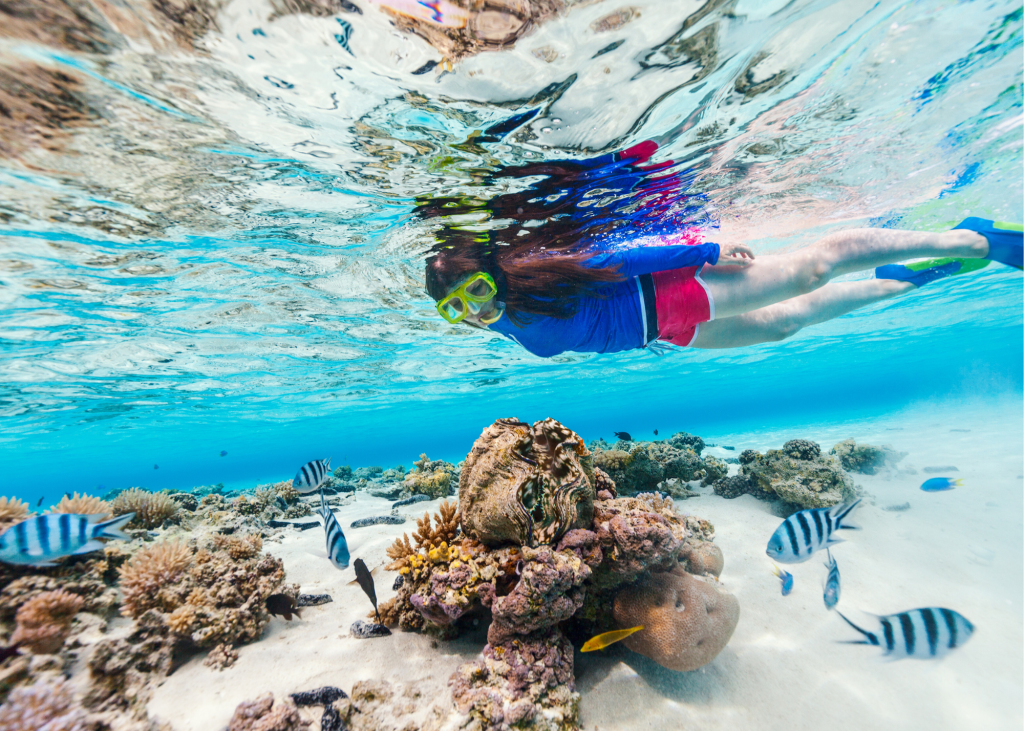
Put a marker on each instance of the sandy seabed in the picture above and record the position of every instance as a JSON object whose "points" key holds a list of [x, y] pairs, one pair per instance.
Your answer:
{"points": [[785, 667]]}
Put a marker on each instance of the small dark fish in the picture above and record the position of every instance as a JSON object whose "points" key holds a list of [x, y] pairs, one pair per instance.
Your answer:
{"points": [[282, 605], [68, 494], [624, 436], [938, 484], [366, 584], [428, 66], [223, 453], [40, 502], [655, 432], [156, 467], [364, 630], [10, 651]]}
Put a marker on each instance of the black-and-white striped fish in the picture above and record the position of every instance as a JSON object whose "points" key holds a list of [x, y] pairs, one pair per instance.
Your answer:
{"points": [[807, 531], [337, 546], [831, 594], [921, 634], [312, 475], [42, 540]]}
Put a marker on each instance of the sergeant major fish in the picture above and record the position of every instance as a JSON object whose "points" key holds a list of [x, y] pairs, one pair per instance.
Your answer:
{"points": [[42, 540], [807, 531], [312, 475], [831, 594], [337, 546], [921, 634]]}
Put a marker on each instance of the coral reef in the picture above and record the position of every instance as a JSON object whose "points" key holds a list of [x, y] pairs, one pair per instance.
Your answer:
{"points": [[12, 510], [553, 561], [687, 620], [211, 596], [637, 467], [797, 475], [264, 714], [44, 621], [431, 477], [151, 508], [83, 505], [864, 458], [42, 706]]}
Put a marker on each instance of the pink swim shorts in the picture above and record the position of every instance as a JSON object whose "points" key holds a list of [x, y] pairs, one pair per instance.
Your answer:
{"points": [[683, 302]]}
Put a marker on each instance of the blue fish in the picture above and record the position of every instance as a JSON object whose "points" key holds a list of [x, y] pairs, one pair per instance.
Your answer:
{"points": [[787, 579], [312, 475], [42, 540], [223, 453], [921, 634], [807, 531], [337, 546], [938, 484], [831, 583]]}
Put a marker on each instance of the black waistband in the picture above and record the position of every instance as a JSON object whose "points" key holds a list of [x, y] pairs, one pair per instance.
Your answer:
{"points": [[650, 306]]}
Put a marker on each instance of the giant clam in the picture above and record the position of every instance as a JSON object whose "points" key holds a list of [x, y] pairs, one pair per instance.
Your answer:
{"points": [[526, 485]]}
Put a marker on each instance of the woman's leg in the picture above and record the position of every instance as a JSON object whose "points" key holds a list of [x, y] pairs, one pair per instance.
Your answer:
{"points": [[773, 278], [781, 320]]}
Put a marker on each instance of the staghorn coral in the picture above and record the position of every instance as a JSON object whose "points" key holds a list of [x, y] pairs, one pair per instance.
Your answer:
{"points": [[42, 706], [264, 714], [526, 485], [82, 505], [44, 621], [12, 510], [149, 578], [687, 621], [151, 508]]}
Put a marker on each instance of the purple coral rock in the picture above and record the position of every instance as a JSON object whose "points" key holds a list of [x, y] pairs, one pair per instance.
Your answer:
{"points": [[584, 544], [436, 611]]}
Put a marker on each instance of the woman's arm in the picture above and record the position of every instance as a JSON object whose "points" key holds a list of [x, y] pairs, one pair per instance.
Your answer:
{"points": [[648, 259]]}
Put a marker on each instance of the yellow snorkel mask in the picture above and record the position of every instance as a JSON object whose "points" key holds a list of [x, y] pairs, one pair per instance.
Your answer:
{"points": [[468, 299]]}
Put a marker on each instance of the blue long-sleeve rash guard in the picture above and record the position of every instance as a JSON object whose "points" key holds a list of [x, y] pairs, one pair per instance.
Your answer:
{"points": [[610, 324]]}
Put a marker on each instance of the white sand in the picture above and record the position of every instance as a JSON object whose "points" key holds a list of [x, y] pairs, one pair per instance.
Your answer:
{"points": [[784, 668]]}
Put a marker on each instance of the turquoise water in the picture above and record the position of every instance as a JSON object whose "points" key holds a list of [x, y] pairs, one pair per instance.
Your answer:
{"points": [[217, 247]]}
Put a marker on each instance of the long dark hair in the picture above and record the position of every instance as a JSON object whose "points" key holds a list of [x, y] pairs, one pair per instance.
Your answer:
{"points": [[539, 258]]}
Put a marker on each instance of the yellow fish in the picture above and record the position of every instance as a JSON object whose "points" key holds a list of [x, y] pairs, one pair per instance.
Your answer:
{"points": [[601, 641]]}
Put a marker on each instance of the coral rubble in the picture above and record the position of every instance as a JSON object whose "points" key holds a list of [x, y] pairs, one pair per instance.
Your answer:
{"points": [[42, 707], [797, 475], [264, 714], [637, 467]]}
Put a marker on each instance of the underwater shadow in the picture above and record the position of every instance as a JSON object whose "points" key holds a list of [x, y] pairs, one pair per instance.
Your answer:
{"points": [[703, 686]]}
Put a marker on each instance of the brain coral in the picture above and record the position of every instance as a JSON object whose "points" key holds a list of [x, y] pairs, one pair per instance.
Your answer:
{"points": [[44, 621], [82, 505], [12, 510], [42, 707], [151, 508]]}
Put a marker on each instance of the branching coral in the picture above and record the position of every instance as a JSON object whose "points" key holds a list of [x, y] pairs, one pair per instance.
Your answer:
{"points": [[239, 547], [151, 508], [82, 505], [149, 578], [263, 714], [45, 621], [42, 707], [12, 510]]}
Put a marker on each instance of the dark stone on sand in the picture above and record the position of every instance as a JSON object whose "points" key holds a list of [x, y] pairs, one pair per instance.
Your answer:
{"points": [[288, 524], [365, 630], [388, 491], [312, 600], [331, 720], [410, 500], [185, 501], [939, 470], [399, 580], [733, 487], [897, 508], [377, 520], [320, 697], [729, 449]]}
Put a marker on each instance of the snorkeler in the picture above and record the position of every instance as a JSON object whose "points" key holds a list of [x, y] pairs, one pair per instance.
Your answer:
{"points": [[569, 294]]}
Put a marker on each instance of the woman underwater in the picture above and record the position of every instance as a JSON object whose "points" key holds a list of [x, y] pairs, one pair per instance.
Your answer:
{"points": [[587, 279]]}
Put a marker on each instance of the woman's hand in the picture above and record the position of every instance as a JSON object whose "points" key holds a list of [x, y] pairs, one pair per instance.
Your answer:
{"points": [[735, 255]]}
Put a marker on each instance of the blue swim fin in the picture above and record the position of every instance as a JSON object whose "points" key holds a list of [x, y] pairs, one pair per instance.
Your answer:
{"points": [[922, 272], [1005, 240]]}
